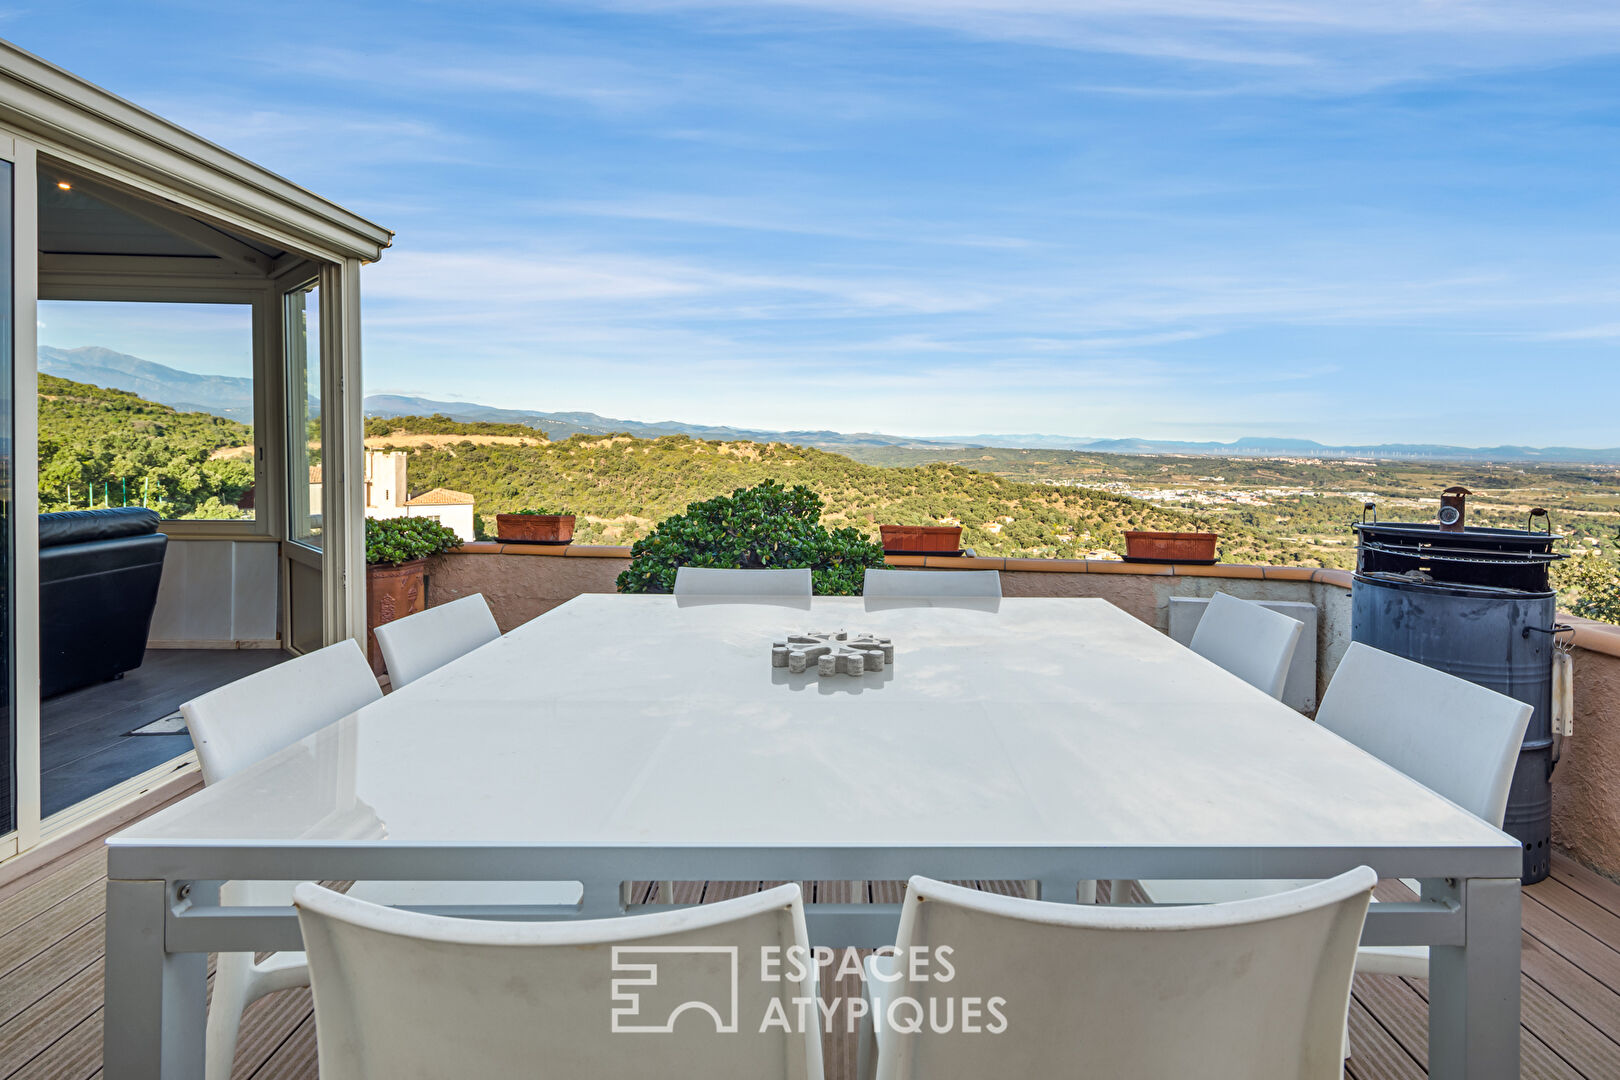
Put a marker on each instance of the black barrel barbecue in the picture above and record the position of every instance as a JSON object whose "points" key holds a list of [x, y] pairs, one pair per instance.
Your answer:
{"points": [[1476, 603]]}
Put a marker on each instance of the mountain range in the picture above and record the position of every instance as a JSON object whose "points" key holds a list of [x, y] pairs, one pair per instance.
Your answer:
{"points": [[232, 397], [560, 425]]}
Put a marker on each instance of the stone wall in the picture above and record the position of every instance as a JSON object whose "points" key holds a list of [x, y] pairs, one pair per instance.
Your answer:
{"points": [[1586, 783], [522, 581]]}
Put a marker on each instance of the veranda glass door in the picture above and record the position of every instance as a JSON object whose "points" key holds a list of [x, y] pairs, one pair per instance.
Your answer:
{"points": [[303, 560], [8, 331]]}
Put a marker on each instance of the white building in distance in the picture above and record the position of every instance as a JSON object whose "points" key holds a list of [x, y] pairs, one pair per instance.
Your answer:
{"points": [[388, 494]]}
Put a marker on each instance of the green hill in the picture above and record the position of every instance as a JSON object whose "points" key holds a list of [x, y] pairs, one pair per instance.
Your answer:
{"points": [[100, 446], [621, 486]]}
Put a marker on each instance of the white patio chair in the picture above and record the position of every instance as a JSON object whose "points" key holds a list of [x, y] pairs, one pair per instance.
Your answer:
{"points": [[253, 717], [424, 642], [1450, 735], [403, 994], [1256, 989], [922, 584], [705, 581], [1254, 643], [248, 720]]}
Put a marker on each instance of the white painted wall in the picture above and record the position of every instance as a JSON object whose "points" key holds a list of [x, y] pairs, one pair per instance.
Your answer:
{"points": [[218, 594], [458, 519]]}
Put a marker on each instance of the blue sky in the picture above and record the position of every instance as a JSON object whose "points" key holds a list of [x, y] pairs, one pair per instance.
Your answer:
{"points": [[1380, 221]]}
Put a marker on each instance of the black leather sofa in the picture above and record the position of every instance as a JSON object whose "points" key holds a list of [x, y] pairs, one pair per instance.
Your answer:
{"points": [[98, 583]]}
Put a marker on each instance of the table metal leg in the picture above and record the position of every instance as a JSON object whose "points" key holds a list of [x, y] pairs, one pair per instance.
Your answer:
{"points": [[1060, 892], [1474, 988], [604, 899], [156, 1002]]}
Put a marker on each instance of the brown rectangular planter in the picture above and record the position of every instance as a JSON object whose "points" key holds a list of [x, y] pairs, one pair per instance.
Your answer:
{"points": [[535, 528], [921, 539], [392, 592], [1170, 547]]}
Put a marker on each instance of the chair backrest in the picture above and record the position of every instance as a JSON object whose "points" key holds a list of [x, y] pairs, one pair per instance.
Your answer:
{"points": [[704, 581], [1254, 643], [1252, 989], [420, 643], [676, 994], [921, 584], [1450, 735], [253, 717]]}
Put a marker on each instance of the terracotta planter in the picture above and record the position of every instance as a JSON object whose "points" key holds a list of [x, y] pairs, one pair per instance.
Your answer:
{"points": [[921, 539], [534, 528], [392, 592], [1170, 547]]}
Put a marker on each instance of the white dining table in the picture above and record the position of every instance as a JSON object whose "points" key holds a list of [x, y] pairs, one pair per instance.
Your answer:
{"points": [[620, 738]]}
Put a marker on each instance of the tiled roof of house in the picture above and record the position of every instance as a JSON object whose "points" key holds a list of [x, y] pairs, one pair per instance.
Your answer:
{"points": [[441, 497], [314, 474]]}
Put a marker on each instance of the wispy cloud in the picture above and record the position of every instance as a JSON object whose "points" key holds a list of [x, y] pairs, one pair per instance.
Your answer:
{"points": [[1089, 216], [1302, 43], [1604, 332]]}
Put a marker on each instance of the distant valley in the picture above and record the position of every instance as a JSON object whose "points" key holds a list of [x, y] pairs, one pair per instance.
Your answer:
{"points": [[232, 397], [564, 424]]}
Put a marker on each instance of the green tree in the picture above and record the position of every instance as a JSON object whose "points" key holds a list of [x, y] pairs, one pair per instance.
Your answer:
{"points": [[1589, 586], [753, 528]]}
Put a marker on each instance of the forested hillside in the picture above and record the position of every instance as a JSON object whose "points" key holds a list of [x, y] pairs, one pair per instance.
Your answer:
{"points": [[99, 446], [621, 486]]}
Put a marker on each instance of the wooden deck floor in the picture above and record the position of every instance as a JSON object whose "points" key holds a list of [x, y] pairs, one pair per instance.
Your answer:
{"points": [[51, 969]]}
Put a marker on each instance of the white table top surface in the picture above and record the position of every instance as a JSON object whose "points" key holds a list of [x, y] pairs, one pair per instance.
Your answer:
{"points": [[618, 720]]}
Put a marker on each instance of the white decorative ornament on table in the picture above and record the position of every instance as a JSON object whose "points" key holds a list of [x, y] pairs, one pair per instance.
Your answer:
{"points": [[833, 652]]}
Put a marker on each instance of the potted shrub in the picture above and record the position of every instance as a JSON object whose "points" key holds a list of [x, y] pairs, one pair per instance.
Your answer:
{"points": [[1170, 547], [768, 526], [397, 551], [921, 539], [534, 527]]}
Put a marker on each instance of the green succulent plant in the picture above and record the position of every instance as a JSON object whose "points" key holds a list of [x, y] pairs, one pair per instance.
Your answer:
{"points": [[540, 513], [768, 526], [392, 541]]}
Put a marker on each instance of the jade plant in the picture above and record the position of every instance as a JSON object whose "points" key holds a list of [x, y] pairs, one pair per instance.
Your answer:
{"points": [[769, 526], [541, 513], [391, 541]]}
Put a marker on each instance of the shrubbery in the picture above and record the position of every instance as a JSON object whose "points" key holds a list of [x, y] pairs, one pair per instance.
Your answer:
{"points": [[762, 527], [100, 447], [1589, 586], [392, 541], [440, 424]]}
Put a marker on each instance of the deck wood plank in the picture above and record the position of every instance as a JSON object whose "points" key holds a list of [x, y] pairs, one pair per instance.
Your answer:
{"points": [[35, 1028], [38, 976], [75, 1055], [266, 1024], [1571, 941], [1374, 1052], [50, 1002], [50, 926], [1589, 883], [82, 872], [294, 1057], [1588, 997], [1400, 1010], [1591, 917]]}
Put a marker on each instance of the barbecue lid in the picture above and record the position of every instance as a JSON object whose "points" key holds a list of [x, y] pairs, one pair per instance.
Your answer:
{"points": [[1429, 541]]}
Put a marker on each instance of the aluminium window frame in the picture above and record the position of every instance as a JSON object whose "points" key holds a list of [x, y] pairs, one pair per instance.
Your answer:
{"points": [[152, 160], [266, 433]]}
